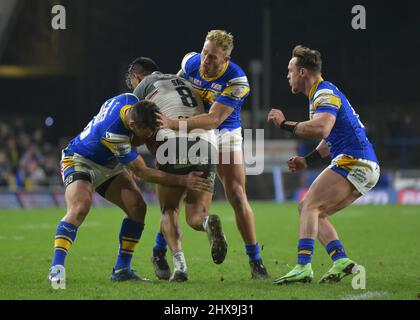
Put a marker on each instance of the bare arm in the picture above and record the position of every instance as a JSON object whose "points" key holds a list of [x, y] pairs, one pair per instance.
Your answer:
{"points": [[180, 73], [207, 121], [318, 127], [192, 180]]}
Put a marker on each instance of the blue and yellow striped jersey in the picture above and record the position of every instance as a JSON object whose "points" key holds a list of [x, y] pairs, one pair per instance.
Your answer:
{"points": [[107, 138], [230, 87], [348, 136]]}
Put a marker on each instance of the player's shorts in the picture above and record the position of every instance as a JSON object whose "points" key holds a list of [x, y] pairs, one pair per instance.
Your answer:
{"points": [[230, 140], [201, 156], [363, 174], [76, 167]]}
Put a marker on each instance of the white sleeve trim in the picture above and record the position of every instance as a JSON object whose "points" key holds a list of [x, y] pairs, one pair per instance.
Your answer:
{"points": [[185, 59]]}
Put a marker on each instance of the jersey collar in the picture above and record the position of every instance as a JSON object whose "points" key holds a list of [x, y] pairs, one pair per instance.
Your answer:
{"points": [[217, 76], [122, 114], [314, 87]]}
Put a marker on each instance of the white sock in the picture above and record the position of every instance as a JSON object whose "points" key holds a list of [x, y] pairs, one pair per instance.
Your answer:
{"points": [[205, 223], [178, 259]]}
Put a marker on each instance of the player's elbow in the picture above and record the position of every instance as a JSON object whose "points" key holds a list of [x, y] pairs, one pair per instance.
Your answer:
{"points": [[324, 131]]}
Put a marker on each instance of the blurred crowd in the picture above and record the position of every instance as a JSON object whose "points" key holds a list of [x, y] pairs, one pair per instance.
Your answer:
{"points": [[27, 160]]}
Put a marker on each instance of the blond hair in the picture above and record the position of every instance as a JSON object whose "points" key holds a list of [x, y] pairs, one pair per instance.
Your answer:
{"points": [[222, 39], [307, 58]]}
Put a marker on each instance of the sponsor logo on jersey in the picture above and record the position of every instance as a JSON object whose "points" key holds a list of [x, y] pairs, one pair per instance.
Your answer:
{"points": [[216, 86], [195, 81], [238, 91]]}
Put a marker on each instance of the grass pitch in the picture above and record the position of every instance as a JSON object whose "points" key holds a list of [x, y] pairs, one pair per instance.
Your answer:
{"points": [[384, 239]]}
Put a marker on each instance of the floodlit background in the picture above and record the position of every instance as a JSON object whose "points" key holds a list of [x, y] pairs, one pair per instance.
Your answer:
{"points": [[52, 82]]}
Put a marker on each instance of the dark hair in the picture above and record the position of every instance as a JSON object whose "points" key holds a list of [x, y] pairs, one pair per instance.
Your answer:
{"points": [[141, 65], [144, 114], [307, 58]]}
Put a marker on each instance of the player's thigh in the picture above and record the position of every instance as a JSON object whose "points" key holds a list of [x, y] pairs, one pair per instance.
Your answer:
{"points": [[78, 195], [232, 174], [329, 193], [169, 197], [124, 192]]}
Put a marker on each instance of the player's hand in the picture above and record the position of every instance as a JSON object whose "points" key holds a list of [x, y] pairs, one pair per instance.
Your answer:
{"points": [[193, 181], [165, 122], [276, 116], [297, 164]]}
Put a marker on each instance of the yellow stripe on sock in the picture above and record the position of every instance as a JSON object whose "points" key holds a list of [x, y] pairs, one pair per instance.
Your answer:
{"points": [[128, 245], [62, 243], [127, 252], [304, 252], [65, 237], [332, 253]]}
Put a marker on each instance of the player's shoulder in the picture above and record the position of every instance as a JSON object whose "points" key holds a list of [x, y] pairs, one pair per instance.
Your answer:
{"points": [[235, 75], [190, 62], [114, 110], [123, 99], [325, 87]]}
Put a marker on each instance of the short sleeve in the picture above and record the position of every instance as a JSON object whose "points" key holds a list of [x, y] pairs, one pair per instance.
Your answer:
{"points": [[120, 146], [235, 92], [327, 102], [184, 63]]}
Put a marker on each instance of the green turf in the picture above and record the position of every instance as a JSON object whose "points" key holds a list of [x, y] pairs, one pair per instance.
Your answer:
{"points": [[384, 239]]}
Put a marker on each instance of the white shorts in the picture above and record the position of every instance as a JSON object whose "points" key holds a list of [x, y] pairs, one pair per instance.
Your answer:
{"points": [[362, 174], [230, 140], [73, 163]]}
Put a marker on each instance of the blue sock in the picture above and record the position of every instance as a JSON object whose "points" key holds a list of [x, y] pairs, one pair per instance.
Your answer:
{"points": [[336, 250], [160, 243], [64, 238], [253, 251], [129, 237], [305, 250]]}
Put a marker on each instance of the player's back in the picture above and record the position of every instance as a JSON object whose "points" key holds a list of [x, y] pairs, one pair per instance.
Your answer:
{"points": [[173, 95], [175, 98], [106, 132], [348, 135]]}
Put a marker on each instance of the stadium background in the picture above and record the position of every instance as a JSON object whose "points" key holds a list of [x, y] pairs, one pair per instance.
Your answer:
{"points": [[63, 76], [53, 81]]}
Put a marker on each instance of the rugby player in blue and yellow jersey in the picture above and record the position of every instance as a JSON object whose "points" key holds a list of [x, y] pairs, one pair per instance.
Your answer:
{"points": [[223, 86], [97, 160], [354, 169]]}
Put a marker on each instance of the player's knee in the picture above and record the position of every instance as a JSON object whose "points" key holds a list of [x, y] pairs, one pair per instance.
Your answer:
{"points": [[80, 209], [169, 213], [194, 221], [306, 207], [236, 195], [138, 211], [300, 207]]}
